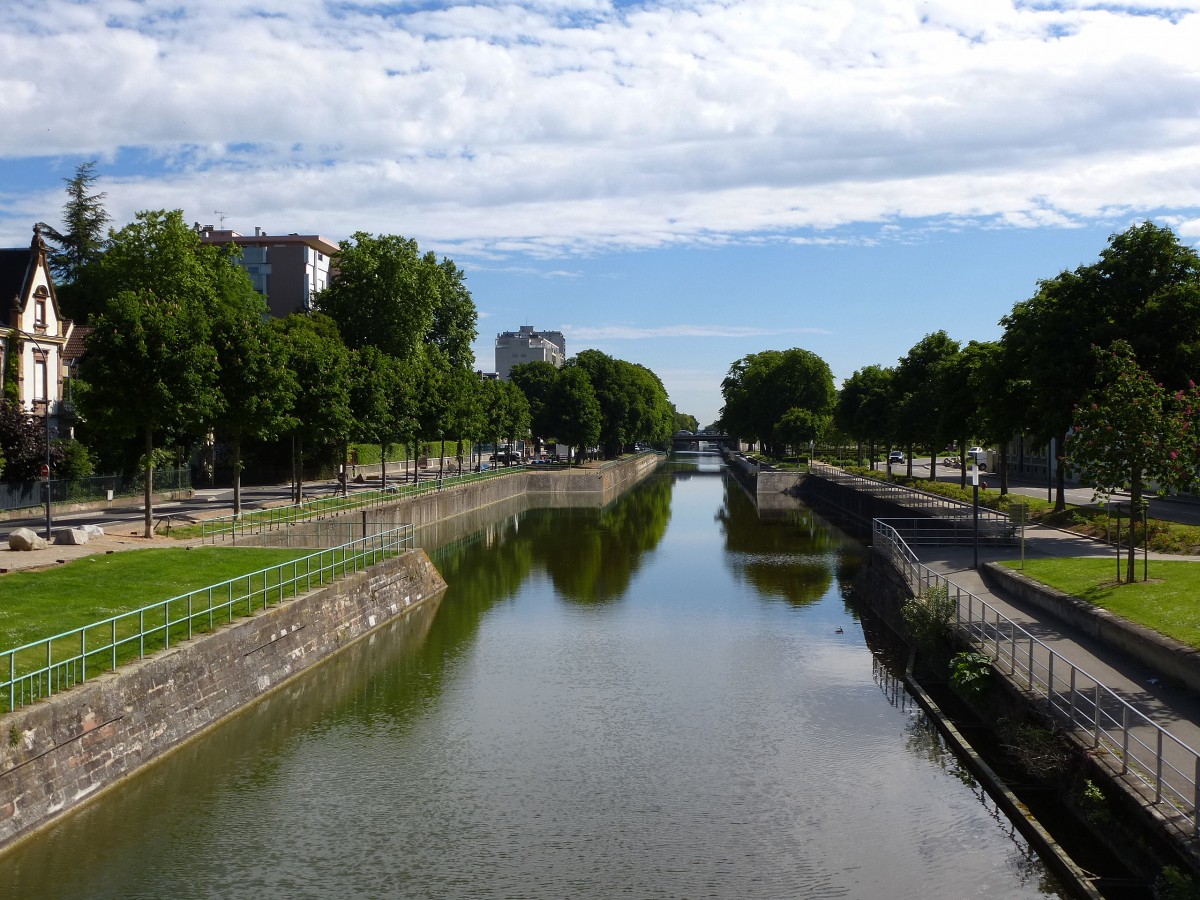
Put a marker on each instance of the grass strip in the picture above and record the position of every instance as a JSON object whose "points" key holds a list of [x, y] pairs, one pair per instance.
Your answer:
{"points": [[38, 604], [1166, 602]]}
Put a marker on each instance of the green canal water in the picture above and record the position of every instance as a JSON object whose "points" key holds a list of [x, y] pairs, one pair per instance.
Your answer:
{"points": [[672, 697]]}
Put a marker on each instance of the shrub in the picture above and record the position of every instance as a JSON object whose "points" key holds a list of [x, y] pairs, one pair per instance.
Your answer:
{"points": [[971, 672], [928, 617]]}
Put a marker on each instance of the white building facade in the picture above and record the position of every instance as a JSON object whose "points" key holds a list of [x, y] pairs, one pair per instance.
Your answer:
{"points": [[528, 345]]}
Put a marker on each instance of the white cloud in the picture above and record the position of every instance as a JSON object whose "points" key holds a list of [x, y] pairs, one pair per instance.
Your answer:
{"points": [[549, 128]]}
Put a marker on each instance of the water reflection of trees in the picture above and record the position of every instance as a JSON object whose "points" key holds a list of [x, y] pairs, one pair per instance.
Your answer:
{"points": [[787, 557], [591, 555]]}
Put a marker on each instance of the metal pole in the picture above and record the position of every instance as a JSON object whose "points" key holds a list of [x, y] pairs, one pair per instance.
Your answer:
{"points": [[47, 418], [975, 509]]}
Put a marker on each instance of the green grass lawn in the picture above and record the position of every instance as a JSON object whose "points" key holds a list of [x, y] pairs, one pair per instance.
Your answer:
{"points": [[1167, 602], [36, 605]]}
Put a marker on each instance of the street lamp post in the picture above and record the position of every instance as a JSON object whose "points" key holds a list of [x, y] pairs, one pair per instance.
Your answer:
{"points": [[975, 505]]}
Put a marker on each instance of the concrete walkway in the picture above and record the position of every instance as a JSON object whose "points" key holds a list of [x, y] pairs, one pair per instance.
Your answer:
{"points": [[1173, 708]]}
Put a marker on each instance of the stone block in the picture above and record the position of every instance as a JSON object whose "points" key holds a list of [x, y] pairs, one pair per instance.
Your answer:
{"points": [[71, 537], [25, 539]]}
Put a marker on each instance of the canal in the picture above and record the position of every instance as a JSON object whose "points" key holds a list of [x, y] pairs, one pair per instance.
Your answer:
{"points": [[671, 697]]}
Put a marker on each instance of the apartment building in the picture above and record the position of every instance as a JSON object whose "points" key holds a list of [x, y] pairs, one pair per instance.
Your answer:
{"points": [[528, 345], [287, 269]]}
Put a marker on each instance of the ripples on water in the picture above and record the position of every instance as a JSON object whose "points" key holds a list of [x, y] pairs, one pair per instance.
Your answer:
{"points": [[695, 727]]}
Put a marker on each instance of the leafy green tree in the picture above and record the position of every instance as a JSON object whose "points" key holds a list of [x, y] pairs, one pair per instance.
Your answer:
{"points": [[320, 362], [384, 293], [760, 389], [536, 382], [1145, 290], [863, 407], [579, 418], [255, 385], [1130, 430], [683, 421], [150, 366], [381, 400], [80, 244], [918, 393]]}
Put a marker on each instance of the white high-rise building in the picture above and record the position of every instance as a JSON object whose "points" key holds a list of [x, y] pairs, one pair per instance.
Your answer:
{"points": [[528, 345]]}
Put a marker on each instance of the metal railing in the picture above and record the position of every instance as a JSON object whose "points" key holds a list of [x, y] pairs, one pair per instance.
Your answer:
{"points": [[1161, 767], [260, 520], [31, 494], [46, 667], [909, 498], [943, 532]]}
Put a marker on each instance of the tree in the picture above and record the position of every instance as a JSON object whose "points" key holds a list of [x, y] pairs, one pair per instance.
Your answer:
{"points": [[613, 390], [255, 386], [919, 397], [150, 366], [536, 382], [578, 411], [863, 407], [23, 444], [321, 364], [80, 244], [1145, 290], [384, 294], [683, 421], [762, 388], [1128, 430], [380, 400]]}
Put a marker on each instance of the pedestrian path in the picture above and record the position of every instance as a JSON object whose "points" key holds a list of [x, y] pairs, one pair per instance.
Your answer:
{"points": [[1088, 682]]}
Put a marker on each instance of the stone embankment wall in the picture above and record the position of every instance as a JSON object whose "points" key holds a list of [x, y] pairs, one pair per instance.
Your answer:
{"points": [[62, 751], [550, 488]]}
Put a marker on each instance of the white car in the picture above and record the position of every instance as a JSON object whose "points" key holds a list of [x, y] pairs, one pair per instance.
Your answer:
{"points": [[979, 455], [896, 456]]}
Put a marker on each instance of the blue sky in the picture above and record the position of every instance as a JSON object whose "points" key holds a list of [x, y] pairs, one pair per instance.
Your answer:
{"points": [[677, 183]]}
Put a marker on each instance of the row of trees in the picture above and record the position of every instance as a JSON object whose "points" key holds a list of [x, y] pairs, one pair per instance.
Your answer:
{"points": [[596, 400], [182, 349], [1098, 363]]}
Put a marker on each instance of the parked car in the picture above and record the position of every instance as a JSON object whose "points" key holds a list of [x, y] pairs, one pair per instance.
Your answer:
{"points": [[896, 456], [979, 455]]}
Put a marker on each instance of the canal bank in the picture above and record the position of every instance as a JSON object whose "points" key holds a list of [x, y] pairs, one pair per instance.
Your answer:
{"points": [[69, 748], [668, 696], [1142, 808]]}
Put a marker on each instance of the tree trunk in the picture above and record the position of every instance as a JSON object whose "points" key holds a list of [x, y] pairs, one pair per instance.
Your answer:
{"points": [[1060, 476], [235, 446], [1135, 504], [383, 452], [149, 478]]}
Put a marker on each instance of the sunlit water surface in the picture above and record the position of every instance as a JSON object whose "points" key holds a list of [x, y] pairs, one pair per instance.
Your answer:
{"points": [[667, 698]]}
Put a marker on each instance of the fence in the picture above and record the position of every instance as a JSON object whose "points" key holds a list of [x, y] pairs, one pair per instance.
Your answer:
{"points": [[1160, 767], [913, 499], [32, 494], [50, 666], [261, 520]]}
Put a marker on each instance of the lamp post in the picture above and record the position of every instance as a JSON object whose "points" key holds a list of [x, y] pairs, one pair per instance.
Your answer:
{"points": [[975, 506], [46, 418]]}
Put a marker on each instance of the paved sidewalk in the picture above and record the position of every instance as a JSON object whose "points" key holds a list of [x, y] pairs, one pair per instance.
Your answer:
{"points": [[1173, 708]]}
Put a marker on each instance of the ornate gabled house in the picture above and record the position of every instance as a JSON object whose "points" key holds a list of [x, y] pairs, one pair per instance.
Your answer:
{"points": [[33, 334]]}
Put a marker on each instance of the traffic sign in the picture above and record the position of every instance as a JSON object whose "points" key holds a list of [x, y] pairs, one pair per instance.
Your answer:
{"points": [[45, 472]]}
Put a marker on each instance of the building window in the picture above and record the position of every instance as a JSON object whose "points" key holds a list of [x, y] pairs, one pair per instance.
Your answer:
{"points": [[41, 385]]}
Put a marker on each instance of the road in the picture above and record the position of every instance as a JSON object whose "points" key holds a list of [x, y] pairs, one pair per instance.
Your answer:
{"points": [[1171, 509], [129, 513]]}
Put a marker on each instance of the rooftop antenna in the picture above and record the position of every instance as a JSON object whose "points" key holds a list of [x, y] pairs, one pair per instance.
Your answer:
{"points": [[222, 214]]}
